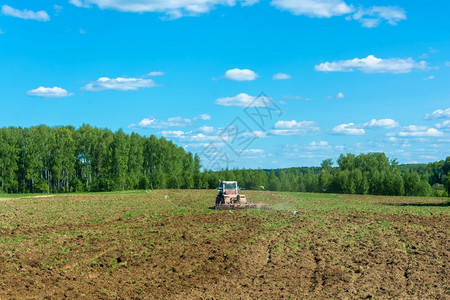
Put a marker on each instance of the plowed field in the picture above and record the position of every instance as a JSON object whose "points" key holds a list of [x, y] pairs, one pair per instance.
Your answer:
{"points": [[172, 245]]}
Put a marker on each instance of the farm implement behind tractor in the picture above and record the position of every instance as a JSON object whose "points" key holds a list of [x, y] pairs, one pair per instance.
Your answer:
{"points": [[229, 197]]}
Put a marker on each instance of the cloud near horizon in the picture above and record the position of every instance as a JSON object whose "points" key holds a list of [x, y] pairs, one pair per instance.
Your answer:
{"points": [[155, 123], [293, 127]]}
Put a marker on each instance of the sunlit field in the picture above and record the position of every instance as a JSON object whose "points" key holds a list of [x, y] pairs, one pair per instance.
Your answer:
{"points": [[173, 244]]}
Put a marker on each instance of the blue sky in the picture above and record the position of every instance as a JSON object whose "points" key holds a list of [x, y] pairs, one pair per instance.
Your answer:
{"points": [[346, 76]]}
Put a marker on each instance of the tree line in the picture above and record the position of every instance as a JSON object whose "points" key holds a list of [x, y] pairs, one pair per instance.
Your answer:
{"points": [[63, 159], [372, 173], [44, 159]]}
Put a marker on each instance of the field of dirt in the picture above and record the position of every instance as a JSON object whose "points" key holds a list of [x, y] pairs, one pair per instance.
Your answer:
{"points": [[172, 245]]}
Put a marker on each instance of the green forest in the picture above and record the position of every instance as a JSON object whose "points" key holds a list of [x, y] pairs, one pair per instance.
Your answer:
{"points": [[64, 159], [365, 174]]}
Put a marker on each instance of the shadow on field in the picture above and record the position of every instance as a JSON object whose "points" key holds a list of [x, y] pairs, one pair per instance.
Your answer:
{"points": [[441, 204]]}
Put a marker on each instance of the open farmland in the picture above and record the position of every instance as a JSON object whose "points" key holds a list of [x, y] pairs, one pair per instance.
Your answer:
{"points": [[171, 244]]}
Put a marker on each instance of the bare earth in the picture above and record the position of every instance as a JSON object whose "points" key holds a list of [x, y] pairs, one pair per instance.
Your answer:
{"points": [[142, 246]]}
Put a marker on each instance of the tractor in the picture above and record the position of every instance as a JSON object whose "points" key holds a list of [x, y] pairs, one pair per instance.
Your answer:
{"points": [[229, 197]]}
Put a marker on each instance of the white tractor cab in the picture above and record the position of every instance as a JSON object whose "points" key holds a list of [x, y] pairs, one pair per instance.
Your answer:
{"points": [[229, 197]]}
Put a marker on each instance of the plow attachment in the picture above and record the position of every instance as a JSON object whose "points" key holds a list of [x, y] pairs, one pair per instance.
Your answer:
{"points": [[242, 206]]}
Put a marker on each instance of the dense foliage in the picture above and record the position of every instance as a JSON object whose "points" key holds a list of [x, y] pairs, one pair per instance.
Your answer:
{"points": [[45, 159], [65, 159], [371, 173]]}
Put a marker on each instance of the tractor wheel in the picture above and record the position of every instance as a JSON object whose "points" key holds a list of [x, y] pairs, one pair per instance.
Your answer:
{"points": [[220, 200]]}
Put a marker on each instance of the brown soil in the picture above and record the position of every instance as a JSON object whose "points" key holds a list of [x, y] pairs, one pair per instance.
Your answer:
{"points": [[223, 255]]}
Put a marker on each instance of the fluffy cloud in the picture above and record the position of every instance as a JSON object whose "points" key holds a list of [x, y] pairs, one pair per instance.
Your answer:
{"points": [[439, 114], [47, 92], [419, 131], [382, 123], [243, 100], [119, 84], [173, 8], [241, 75], [25, 14], [372, 17], [293, 127], [372, 64], [170, 122], [281, 76], [314, 8], [348, 129], [340, 95], [431, 77]]}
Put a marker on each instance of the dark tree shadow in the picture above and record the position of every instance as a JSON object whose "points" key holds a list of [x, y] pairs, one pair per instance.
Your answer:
{"points": [[441, 204]]}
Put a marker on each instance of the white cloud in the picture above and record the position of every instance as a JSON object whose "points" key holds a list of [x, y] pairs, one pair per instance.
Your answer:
{"points": [[288, 128], [155, 73], [243, 100], [419, 131], [340, 95], [292, 97], [173, 8], [281, 76], [348, 129], [203, 117], [314, 8], [318, 145], [119, 84], [58, 9], [444, 125], [372, 64], [253, 151], [47, 92], [151, 122], [259, 134], [372, 17], [439, 114], [382, 123], [241, 75], [189, 136], [25, 14], [431, 77], [207, 129], [173, 133], [79, 3], [170, 122]]}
